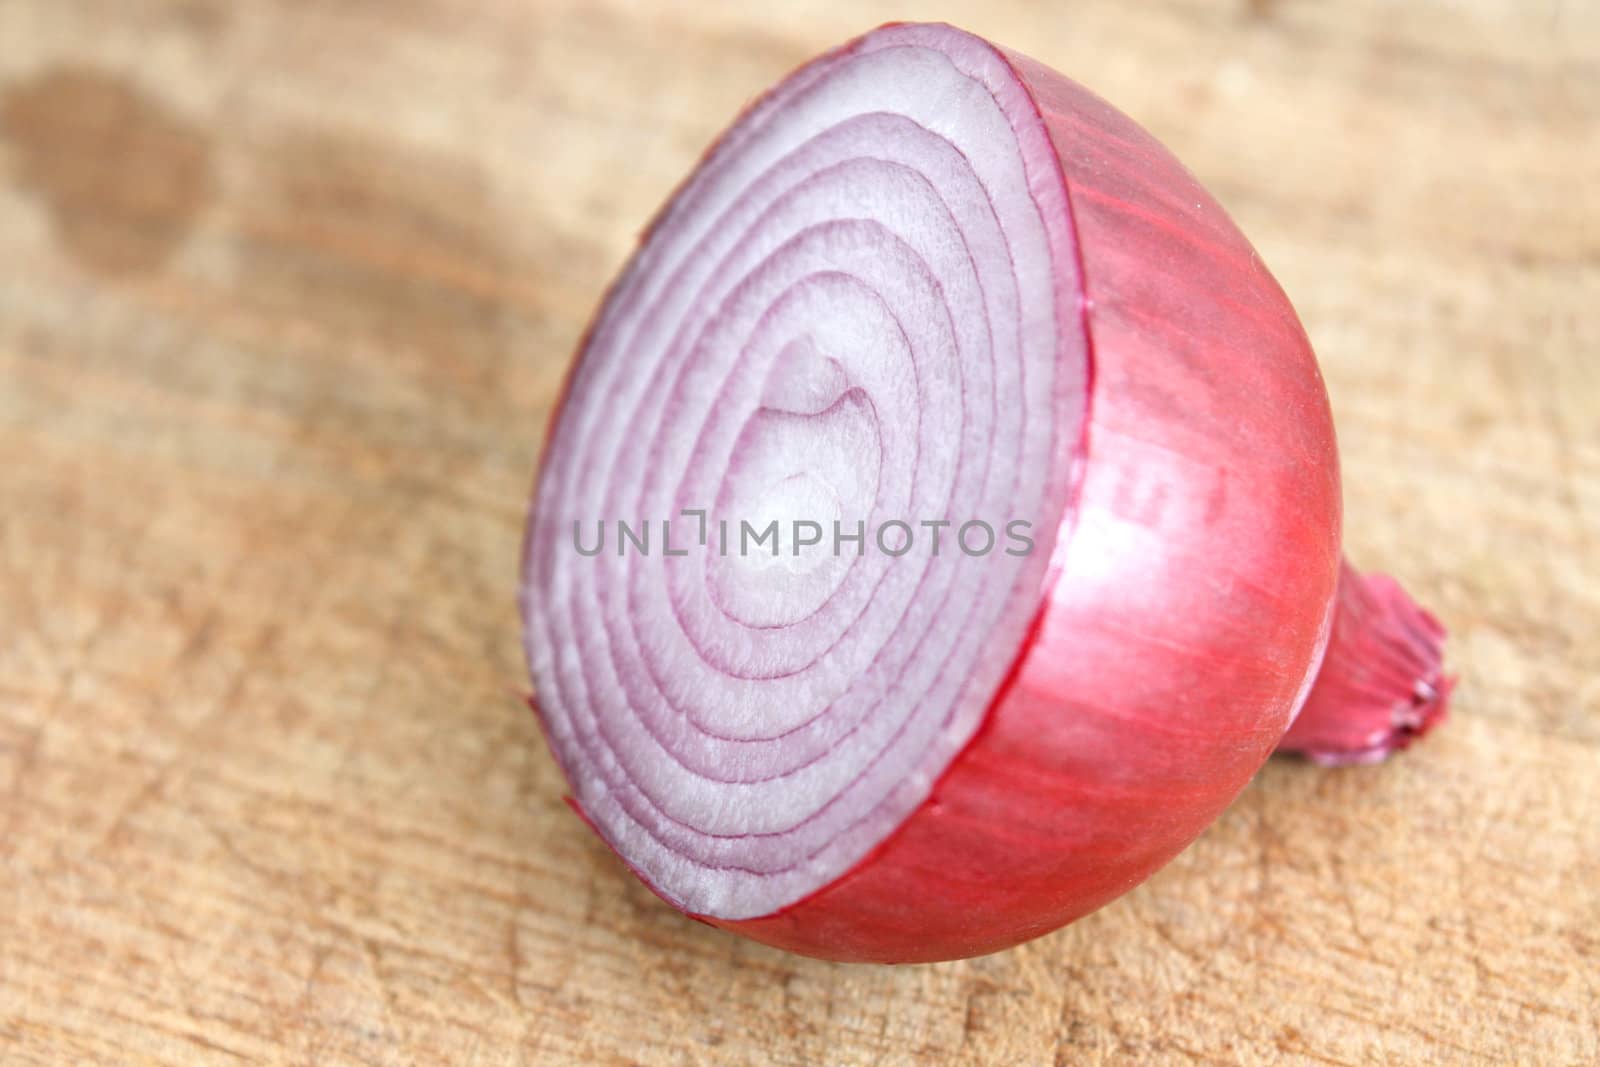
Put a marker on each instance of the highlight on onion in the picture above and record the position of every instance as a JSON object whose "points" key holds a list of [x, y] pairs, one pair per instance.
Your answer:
{"points": [[941, 523]]}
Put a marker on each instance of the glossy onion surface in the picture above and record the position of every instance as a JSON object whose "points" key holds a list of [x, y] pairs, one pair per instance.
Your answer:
{"points": [[928, 279]]}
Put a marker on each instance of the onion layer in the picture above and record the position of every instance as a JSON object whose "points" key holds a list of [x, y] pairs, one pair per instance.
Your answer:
{"points": [[927, 286]]}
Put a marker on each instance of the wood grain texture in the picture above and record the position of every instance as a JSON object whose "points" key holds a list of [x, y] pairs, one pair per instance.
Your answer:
{"points": [[286, 290]]}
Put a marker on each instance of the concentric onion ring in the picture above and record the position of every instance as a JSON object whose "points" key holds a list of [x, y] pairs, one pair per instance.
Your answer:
{"points": [[859, 308]]}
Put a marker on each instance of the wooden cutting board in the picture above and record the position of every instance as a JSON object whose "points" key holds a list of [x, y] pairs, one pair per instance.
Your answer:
{"points": [[286, 290]]}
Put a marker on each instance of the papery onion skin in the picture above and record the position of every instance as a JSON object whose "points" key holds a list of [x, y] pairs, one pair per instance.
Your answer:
{"points": [[1382, 684], [1146, 700], [1192, 598]]}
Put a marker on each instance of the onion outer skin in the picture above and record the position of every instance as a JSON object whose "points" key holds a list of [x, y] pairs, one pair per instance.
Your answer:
{"points": [[1208, 515], [1193, 592]]}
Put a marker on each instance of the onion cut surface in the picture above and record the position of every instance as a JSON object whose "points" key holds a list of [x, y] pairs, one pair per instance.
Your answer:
{"points": [[928, 279]]}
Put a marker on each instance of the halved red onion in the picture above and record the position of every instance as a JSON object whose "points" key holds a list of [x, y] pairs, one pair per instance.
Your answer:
{"points": [[878, 300]]}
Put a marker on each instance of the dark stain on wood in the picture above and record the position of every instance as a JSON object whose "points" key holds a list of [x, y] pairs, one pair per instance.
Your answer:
{"points": [[123, 177]]}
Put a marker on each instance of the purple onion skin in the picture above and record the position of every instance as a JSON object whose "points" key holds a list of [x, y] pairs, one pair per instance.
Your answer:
{"points": [[1196, 593]]}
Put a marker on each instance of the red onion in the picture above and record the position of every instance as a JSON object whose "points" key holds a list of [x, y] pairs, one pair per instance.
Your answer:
{"points": [[927, 280]]}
